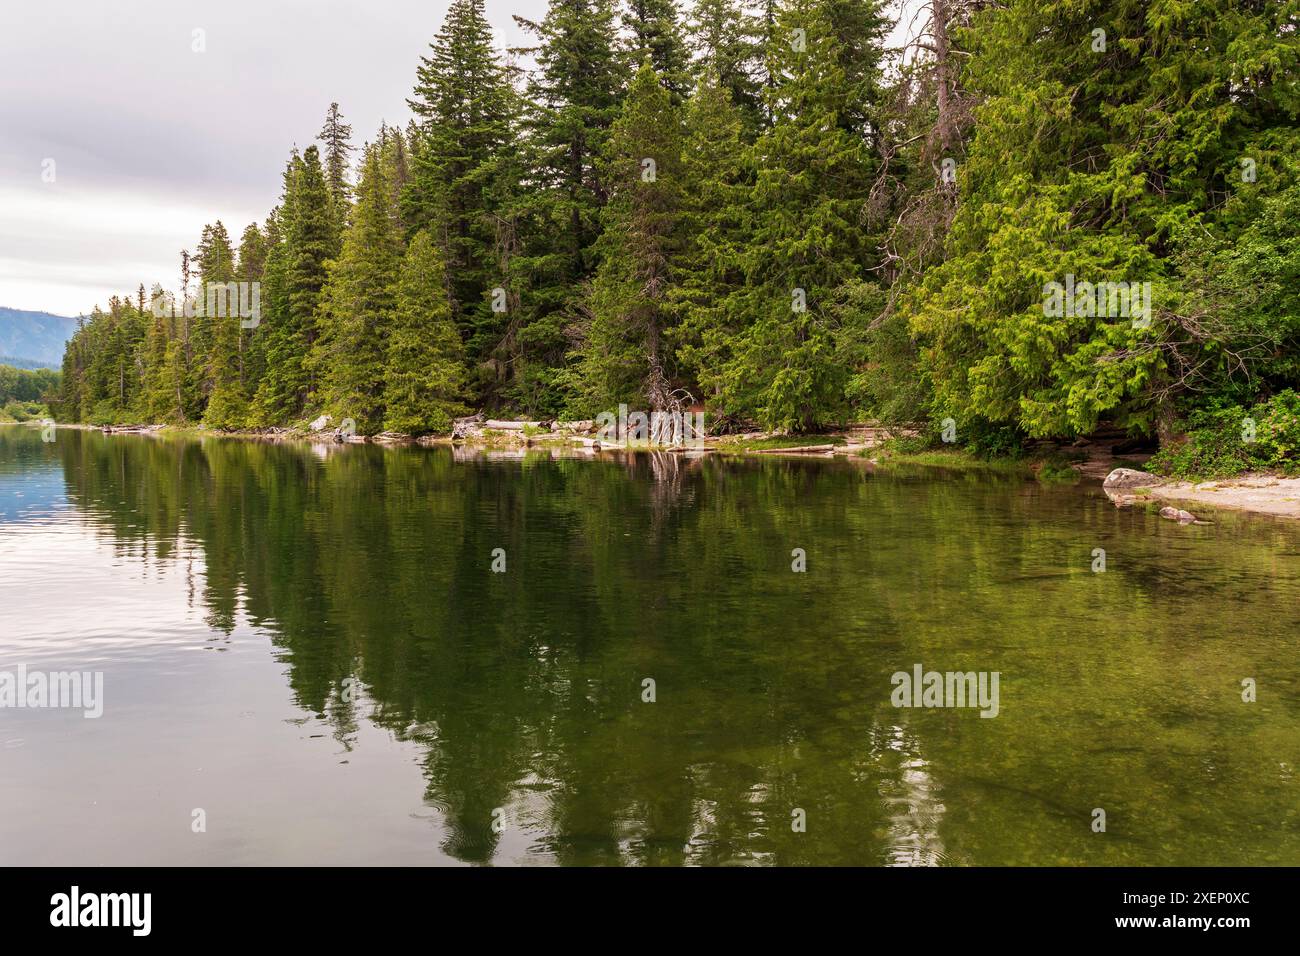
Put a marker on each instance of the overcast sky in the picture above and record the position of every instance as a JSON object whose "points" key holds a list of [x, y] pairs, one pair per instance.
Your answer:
{"points": [[150, 139]]}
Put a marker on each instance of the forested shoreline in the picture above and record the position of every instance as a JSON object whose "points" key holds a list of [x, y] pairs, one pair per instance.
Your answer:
{"points": [[765, 212], [25, 393]]}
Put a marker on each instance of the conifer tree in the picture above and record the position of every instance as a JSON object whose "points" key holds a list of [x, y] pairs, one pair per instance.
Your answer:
{"points": [[275, 310], [160, 399], [396, 158], [310, 242], [859, 28], [1102, 152], [805, 239], [624, 356], [424, 372], [727, 39], [357, 306], [714, 176], [337, 137], [216, 329], [575, 94], [657, 36], [467, 110]]}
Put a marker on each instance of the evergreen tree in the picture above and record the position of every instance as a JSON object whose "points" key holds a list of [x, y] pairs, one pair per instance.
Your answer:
{"points": [[727, 39], [357, 306], [215, 258], [337, 137], [254, 245], [467, 110], [1104, 146], [310, 243], [218, 322], [160, 397], [714, 178], [805, 239], [424, 372], [396, 158], [574, 94], [624, 356], [657, 36], [859, 28]]}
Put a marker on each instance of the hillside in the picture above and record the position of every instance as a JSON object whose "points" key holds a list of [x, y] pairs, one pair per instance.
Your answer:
{"points": [[33, 339]]}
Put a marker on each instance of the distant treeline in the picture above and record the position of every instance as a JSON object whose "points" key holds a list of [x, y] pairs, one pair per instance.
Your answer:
{"points": [[23, 363], [767, 211], [27, 385]]}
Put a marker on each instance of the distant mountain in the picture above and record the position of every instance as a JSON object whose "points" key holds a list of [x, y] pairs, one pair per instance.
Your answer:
{"points": [[33, 339]]}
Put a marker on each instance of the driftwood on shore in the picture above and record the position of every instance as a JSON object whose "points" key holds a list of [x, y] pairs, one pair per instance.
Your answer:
{"points": [[465, 427], [132, 429], [793, 449], [506, 426]]}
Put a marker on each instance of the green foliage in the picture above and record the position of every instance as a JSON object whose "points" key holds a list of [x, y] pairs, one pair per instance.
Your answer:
{"points": [[357, 306], [310, 241], [991, 441], [424, 373], [1224, 440], [27, 385], [574, 98], [1101, 164], [803, 238], [657, 39], [726, 40], [16, 411], [464, 179], [711, 226], [799, 258], [623, 357], [337, 137]]}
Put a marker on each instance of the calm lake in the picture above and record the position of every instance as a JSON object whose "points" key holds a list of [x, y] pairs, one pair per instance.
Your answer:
{"points": [[308, 657]]}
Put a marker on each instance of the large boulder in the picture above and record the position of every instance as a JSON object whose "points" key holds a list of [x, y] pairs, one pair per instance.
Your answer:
{"points": [[1122, 479]]}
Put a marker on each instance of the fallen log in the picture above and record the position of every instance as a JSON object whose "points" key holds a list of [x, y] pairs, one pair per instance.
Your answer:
{"points": [[510, 426], [794, 449]]}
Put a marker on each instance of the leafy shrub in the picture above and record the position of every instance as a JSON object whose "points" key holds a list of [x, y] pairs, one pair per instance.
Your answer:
{"points": [[23, 411], [989, 441], [1225, 440]]}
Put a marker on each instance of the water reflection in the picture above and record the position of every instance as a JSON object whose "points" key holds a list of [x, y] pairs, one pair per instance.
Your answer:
{"points": [[517, 697]]}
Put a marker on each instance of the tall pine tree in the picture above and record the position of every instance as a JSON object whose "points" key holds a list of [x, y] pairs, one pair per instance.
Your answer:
{"points": [[657, 36], [310, 242], [805, 237], [467, 109], [624, 355], [357, 306], [424, 371], [574, 97]]}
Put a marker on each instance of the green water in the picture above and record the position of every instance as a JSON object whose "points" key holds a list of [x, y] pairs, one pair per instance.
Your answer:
{"points": [[308, 645]]}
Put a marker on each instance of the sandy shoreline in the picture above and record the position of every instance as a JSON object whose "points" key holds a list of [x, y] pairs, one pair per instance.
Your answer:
{"points": [[1257, 493], [1261, 494]]}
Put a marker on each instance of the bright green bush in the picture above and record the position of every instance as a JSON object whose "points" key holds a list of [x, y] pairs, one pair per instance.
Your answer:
{"points": [[1227, 440], [23, 411]]}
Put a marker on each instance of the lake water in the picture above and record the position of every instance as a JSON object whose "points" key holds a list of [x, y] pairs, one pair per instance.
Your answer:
{"points": [[307, 656]]}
